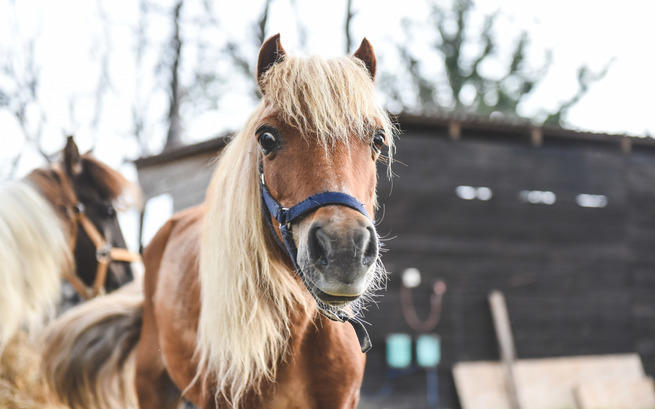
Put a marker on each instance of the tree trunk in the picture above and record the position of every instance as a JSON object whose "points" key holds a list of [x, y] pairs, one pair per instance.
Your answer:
{"points": [[173, 138]]}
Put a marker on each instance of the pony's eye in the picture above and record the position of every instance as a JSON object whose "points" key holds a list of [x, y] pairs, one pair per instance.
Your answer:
{"points": [[110, 211], [268, 142], [378, 141]]}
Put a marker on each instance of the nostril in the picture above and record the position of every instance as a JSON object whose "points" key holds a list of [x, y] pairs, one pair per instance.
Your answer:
{"points": [[361, 238], [317, 245], [371, 251]]}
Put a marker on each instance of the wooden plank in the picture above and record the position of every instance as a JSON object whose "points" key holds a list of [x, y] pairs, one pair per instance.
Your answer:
{"points": [[541, 383], [505, 344], [616, 394]]}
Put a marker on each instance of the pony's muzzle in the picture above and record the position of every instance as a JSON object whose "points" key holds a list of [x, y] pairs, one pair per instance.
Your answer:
{"points": [[342, 253]]}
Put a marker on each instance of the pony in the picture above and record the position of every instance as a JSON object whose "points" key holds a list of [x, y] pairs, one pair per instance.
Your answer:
{"points": [[57, 222], [249, 298], [48, 223]]}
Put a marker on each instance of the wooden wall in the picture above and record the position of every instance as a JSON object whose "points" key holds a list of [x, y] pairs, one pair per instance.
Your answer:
{"points": [[577, 280], [185, 179]]}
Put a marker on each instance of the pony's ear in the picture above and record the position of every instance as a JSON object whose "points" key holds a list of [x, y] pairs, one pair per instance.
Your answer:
{"points": [[270, 53], [367, 55], [72, 159]]}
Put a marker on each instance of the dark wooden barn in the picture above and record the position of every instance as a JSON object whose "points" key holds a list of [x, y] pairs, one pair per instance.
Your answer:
{"points": [[562, 222]]}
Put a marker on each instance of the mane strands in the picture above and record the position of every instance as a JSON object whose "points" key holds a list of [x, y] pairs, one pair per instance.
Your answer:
{"points": [[111, 185], [34, 253], [246, 296]]}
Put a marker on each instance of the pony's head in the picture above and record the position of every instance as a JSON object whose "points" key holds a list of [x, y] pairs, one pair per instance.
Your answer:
{"points": [[42, 239], [82, 185], [318, 128], [322, 131]]}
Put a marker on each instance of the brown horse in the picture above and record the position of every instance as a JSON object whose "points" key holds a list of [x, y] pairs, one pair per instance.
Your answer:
{"points": [[57, 222], [244, 294], [49, 223]]}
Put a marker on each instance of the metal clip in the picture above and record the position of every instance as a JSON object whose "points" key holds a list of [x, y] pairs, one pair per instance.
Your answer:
{"points": [[103, 254]]}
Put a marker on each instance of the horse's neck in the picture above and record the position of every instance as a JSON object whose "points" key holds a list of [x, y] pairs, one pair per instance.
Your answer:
{"points": [[324, 365]]}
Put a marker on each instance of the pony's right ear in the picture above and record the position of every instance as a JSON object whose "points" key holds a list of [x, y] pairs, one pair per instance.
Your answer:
{"points": [[72, 159], [270, 53]]}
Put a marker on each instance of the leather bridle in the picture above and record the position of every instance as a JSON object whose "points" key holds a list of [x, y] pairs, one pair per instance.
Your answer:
{"points": [[105, 254]]}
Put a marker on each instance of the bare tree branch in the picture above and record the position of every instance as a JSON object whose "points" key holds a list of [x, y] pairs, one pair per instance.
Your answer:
{"points": [[21, 98], [585, 79], [173, 137], [140, 104], [259, 36], [13, 167], [262, 23], [350, 14], [302, 29], [104, 80]]}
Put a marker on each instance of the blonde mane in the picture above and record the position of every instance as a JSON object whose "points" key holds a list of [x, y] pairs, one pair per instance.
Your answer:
{"points": [[34, 254], [246, 294]]}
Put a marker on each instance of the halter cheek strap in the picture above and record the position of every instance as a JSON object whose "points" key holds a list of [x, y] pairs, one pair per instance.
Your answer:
{"points": [[105, 254], [286, 216]]}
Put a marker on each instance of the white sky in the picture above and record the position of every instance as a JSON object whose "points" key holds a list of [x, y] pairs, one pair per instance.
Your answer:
{"points": [[69, 43]]}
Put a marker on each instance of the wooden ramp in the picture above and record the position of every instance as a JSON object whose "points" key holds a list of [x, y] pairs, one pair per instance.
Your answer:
{"points": [[585, 382]]}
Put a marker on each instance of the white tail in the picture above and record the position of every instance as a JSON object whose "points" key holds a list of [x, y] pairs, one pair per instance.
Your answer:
{"points": [[88, 360]]}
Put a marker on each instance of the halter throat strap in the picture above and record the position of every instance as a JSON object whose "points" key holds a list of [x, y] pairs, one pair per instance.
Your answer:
{"points": [[285, 217]]}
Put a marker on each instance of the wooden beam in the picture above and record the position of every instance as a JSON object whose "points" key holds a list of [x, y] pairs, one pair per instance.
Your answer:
{"points": [[505, 343], [536, 137], [626, 144], [454, 130]]}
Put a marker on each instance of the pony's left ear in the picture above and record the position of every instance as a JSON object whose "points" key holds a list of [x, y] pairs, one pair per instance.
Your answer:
{"points": [[270, 53], [367, 55], [72, 159]]}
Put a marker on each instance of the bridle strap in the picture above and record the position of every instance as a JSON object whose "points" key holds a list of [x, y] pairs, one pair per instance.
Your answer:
{"points": [[91, 230], [105, 254], [286, 216], [82, 289]]}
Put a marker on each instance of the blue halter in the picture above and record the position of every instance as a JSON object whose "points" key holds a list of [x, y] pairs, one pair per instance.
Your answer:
{"points": [[286, 216]]}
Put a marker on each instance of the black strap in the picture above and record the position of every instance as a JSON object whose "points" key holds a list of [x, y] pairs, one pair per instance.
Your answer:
{"points": [[285, 216]]}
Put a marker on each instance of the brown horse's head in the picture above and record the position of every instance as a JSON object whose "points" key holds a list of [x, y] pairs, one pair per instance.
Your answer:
{"points": [[82, 184], [321, 131], [318, 128]]}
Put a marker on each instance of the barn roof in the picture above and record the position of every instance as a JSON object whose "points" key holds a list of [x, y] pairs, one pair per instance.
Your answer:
{"points": [[454, 126]]}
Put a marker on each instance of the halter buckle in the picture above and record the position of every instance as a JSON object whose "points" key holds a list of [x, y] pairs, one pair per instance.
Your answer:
{"points": [[78, 208], [283, 215], [103, 254]]}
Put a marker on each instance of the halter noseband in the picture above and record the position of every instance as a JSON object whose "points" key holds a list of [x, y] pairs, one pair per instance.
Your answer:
{"points": [[105, 254], [285, 216]]}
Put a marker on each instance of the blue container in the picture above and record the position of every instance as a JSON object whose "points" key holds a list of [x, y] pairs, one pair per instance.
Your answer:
{"points": [[399, 350], [428, 351]]}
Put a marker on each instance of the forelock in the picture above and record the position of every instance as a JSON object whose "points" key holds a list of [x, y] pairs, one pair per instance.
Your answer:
{"points": [[332, 99]]}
